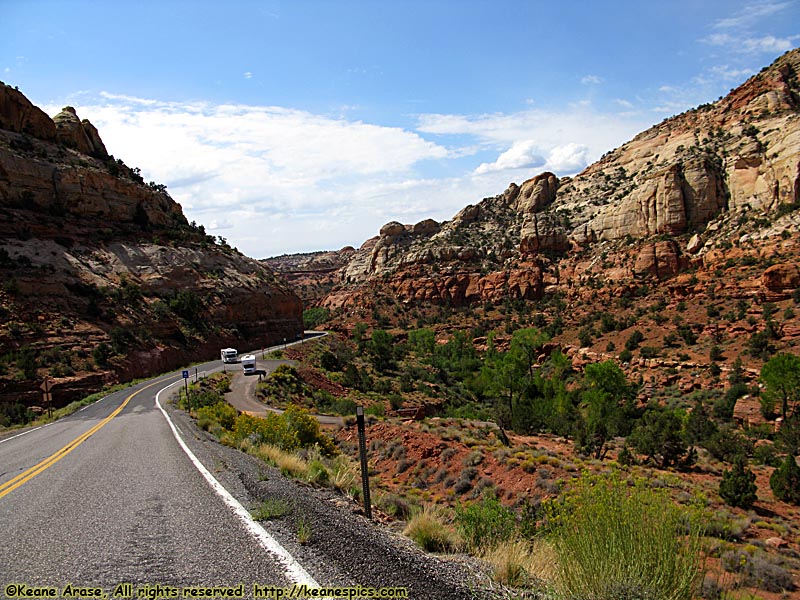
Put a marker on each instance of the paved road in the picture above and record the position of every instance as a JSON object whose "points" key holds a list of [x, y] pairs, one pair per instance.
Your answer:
{"points": [[122, 505], [243, 394], [109, 496]]}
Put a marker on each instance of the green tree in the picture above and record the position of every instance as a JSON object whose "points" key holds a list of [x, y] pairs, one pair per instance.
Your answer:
{"points": [[511, 375], [315, 316], [785, 481], [186, 304], [359, 331], [660, 435], [781, 379], [526, 345], [605, 395], [422, 341], [633, 341], [101, 354], [381, 350], [738, 486], [699, 426], [27, 363]]}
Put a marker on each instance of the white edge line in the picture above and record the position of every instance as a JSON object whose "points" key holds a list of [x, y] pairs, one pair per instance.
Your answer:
{"points": [[13, 437], [294, 570]]}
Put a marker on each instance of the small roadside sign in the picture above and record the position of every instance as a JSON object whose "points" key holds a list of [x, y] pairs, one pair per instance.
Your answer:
{"points": [[47, 396], [186, 374]]}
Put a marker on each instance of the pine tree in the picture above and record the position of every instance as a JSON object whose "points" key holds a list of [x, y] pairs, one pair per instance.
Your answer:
{"points": [[785, 481], [738, 486]]}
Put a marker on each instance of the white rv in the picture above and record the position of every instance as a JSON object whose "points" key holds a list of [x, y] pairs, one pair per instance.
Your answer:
{"points": [[229, 355], [249, 364]]}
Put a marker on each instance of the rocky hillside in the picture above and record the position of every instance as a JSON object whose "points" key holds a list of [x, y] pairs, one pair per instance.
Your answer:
{"points": [[103, 277], [314, 274], [666, 200]]}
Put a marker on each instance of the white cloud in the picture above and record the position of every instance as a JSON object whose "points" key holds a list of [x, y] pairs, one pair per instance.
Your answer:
{"points": [[591, 79], [751, 45], [728, 73], [273, 180], [248, 75], [521, 155], [568, 158], [750, 13], [248, 168], [595, 131], [718, 39], [768, 43]]}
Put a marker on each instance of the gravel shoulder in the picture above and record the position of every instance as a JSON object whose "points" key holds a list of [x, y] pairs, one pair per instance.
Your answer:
{"points": [[345, 548]]}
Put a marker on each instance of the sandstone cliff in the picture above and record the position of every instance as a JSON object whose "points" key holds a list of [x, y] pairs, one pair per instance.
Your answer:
{"points": [[681, 179], [104, 278]]}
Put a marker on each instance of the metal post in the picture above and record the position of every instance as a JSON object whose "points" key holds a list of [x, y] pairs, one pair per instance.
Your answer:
{"points": [[362, 448], [195, 374], [186, 388]]}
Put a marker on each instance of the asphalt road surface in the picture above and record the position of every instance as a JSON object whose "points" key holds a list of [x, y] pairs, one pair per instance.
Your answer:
{"points": [[110, 495], [122, 505]]}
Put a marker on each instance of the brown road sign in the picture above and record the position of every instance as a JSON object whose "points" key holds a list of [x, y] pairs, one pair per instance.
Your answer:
{"points": [[48, 397], [47, 385]]}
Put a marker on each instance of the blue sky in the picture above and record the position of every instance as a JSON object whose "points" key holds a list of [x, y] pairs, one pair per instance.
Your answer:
{"points": [[306, 125]]}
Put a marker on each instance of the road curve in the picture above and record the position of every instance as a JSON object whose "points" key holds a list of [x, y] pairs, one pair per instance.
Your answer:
{"points": [[122, 505], [109, 496]]}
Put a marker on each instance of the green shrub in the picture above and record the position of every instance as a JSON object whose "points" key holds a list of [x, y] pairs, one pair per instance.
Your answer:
{"points": [[616, 540], [221, 413], [27, 363], [484, 523], [101, 353], [313, 317], [633, 341]]}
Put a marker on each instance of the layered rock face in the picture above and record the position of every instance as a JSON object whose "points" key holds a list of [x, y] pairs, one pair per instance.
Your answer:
{"points": [[81, 135], [93, 258], [678, 180]]}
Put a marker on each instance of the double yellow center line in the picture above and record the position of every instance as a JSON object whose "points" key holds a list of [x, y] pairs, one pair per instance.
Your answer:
{"points": [[12, 484]]}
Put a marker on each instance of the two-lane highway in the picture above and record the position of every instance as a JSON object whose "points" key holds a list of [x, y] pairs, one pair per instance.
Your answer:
{"points": [[108, 496]]}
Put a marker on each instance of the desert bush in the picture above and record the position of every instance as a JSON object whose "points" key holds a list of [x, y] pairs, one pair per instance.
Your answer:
{"points": [[395, 506], [221, 413], [616, 540], [317, 472], [725, 526], [484, 523], [431, 532], [758, 571], [14, 413]]}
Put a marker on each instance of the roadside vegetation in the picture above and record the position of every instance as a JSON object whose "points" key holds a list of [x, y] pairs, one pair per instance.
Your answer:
{"points": [[291, 441], [491, 389]]}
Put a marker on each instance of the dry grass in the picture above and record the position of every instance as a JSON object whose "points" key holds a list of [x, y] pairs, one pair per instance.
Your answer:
{"points": [[429, 529], [522, 563], [289, 464]]}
